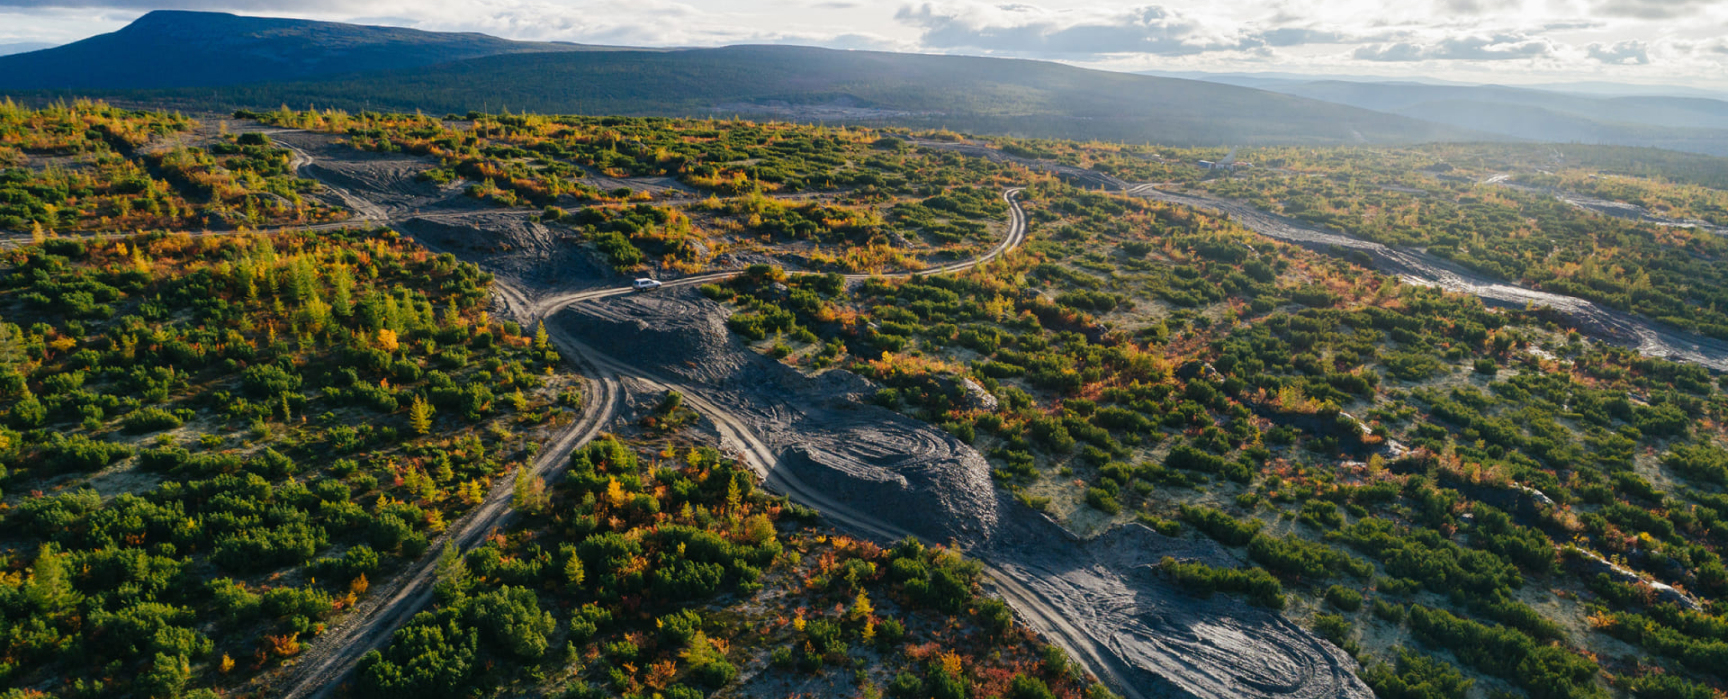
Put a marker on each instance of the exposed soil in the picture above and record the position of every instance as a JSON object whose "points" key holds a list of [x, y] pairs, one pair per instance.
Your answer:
{"points": [[872, 472], [1608, 207], [1644, 335], [872, 469]]}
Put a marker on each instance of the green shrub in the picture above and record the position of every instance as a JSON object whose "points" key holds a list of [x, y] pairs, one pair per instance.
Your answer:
{"points": [[1201, 579], [1225, 529], [151, 420], [1344, 598], [1416, 676]]}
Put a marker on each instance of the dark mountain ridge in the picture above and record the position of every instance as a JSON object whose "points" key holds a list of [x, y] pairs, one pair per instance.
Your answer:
{"points": [[167, 49], [218, 62]]}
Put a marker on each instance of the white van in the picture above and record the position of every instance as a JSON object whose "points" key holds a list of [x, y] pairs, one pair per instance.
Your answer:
{"points": [[645, 284]]}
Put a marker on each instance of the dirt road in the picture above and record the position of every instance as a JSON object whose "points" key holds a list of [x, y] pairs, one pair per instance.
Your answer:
{"points": [[333, 655], [1646, 336], [883, 476], [1627, 329]]}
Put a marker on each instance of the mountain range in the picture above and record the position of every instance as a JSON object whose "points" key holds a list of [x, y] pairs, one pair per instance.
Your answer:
{"points": [[1687, 119], [23, 47], [166, 49], [204, 61]]}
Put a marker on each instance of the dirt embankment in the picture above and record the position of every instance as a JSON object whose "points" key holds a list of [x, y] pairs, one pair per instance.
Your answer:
{"points": [[885, 475]]}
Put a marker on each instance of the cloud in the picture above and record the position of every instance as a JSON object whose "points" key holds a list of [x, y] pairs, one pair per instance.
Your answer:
{"points": [[1503, 46], [1298, 36], [1450, 8], [1650, 9], [1627, 53], [1024, 29], [1148, 29]]}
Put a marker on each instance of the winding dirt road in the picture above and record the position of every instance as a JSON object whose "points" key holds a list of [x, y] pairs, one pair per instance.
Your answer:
{"points": [[333, 655], [1644, 335]]}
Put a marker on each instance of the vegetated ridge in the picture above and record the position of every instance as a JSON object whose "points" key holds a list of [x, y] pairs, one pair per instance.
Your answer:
{"points": [[398, 69], [166, 49], [1681, 123]]}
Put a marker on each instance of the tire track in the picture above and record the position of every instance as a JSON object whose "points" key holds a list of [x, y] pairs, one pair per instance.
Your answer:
{"points": [[334, 654]]}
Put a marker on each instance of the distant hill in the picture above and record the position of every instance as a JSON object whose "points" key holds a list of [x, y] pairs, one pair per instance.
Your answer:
{"points": [[167, 49], [1678, 123], [983, 95], [9, 49]]}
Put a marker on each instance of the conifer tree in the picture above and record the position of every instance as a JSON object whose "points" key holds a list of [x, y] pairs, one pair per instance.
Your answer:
{"points": [[420, 415]]}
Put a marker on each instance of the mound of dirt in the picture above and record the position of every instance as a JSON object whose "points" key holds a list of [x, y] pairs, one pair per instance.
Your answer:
{"points": [[524, 252], [884, 475], [915, 478], [390, 180]]}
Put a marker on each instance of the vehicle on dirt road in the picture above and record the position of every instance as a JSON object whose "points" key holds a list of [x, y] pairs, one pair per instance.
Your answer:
{"points": [[645, 284]]}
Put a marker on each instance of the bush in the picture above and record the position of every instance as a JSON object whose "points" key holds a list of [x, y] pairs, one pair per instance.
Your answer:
{"points": [[1101, 500], [1292, 555], [677, 628], [78, 453], [1344, 598], [1201, 579], [151, 420], [1225, 529], [1416, 677], [1334, 628], [269, 381], [510, 618], [1545, 672], [1188, 458], [1023, 687]]}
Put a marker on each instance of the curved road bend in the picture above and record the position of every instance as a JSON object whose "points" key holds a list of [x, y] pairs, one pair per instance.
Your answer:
{"points": [[333, 655]]}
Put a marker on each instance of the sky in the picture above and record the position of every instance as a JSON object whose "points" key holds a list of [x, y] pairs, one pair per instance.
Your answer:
{"points": [[1669, 42]]}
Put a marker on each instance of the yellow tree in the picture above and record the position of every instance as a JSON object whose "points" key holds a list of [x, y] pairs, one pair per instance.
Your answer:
{"points": [[529, 492], [420, 415]]}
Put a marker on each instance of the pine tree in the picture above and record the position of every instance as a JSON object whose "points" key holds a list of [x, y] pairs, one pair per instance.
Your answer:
{"points": [[861, 607], [420, 415], [573, 572], [529, 492], [452, 574], [541, 341]]}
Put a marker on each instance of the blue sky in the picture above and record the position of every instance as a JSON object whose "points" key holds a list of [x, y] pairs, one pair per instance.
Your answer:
{"points": [[1638, 41]]}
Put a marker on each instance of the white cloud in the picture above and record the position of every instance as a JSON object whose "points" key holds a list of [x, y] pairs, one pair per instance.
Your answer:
{"points": [[1621, 52], [1495, 40], [1158, 30], [1491, 47], [1652, 9]]}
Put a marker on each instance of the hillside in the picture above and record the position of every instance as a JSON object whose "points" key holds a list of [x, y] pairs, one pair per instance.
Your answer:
{"points": [[1680, 123], [166, 49], [975, 94], [24, 47]]}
